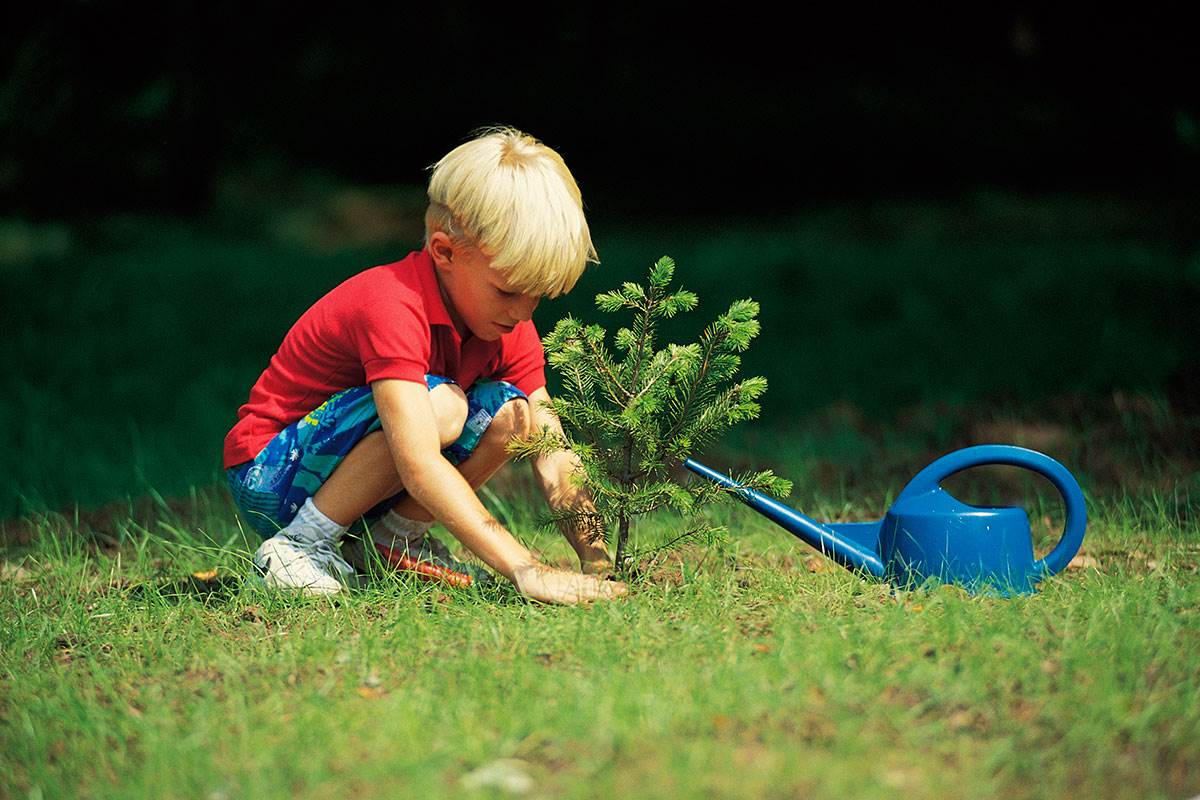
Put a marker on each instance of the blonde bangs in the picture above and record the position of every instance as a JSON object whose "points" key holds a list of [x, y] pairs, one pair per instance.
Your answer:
{"points": [[514, 198]]}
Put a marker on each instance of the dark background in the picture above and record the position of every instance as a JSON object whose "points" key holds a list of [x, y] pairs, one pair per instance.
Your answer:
{"points": [[993, 211], [659, 110]]}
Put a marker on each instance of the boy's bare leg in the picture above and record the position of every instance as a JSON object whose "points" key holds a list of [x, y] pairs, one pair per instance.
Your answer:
{"points": [[367, 475], [489, 456]]}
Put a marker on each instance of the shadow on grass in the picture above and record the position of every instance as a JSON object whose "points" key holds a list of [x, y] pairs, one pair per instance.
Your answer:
{"points": [[217, 590]]}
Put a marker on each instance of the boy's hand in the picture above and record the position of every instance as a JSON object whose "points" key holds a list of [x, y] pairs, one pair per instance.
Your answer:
{"points": [[601, 565], [549, 585], [553, 472]]}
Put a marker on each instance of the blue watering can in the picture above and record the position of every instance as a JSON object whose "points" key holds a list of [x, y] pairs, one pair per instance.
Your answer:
{"points": [[928, 533]]}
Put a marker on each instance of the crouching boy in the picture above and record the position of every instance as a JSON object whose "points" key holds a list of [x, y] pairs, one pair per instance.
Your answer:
{"points": [[393, 397]]}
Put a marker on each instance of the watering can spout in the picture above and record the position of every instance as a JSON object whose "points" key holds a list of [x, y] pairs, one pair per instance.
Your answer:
{"points": [[854, 546]]}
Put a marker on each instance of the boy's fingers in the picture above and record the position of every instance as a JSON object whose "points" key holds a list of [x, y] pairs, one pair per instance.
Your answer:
{"points": [[560, 586], [602, 589], [615, 588], [597, 566]]}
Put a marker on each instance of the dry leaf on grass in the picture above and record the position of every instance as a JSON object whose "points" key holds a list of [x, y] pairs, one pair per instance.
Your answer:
{"points": [[1083, 562], [961, 719], [819, 565], [14, 572]]}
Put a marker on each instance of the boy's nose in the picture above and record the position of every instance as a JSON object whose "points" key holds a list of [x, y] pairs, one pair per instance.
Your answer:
{"points": [[525, 306]]}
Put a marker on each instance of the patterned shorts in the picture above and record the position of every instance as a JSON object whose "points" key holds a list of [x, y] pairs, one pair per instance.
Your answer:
{"points": [[270, 489]]}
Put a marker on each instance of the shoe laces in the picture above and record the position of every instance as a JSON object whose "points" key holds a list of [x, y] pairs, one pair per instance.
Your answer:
{"points": [[325, 555]]}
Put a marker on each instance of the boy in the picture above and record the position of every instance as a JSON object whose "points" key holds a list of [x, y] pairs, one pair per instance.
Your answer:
{"points": [[394, 395]]}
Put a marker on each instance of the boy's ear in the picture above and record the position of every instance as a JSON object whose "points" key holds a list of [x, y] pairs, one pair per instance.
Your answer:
{"points": [[441, 248]]}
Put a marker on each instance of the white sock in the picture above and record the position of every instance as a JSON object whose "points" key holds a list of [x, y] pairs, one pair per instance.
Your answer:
{"points": [[311, 525], [395, 531]]}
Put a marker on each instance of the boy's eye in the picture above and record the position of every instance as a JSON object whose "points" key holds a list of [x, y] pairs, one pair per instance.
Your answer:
{"points": [[508, 295]]}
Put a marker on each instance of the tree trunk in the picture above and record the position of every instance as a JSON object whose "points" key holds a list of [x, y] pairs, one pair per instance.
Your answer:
{"points": [[622, 536], [626, 480]]}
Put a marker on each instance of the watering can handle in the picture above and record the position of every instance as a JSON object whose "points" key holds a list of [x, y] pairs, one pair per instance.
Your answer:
{"points": [[1057, 559]]}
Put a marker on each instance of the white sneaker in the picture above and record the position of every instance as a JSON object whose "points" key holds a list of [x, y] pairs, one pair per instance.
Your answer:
{"points": [[312, 567]]}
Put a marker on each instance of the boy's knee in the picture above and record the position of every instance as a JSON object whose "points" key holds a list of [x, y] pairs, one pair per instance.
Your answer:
{"points": [[450, 410], [512, 420]]}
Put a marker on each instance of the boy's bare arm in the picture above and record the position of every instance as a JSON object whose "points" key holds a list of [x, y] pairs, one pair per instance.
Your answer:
{"points": [[553, 473], [411, 430]]}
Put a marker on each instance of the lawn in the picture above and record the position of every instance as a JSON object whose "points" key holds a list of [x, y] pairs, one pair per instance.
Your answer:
{"points": [[138, 660]]}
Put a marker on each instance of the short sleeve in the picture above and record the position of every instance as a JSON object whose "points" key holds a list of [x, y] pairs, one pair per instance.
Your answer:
{"points": [[522, 361], [391, 337]]}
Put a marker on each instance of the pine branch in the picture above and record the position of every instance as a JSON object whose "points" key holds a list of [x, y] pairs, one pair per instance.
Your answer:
{"points": [[604, 366], [691, 533]]}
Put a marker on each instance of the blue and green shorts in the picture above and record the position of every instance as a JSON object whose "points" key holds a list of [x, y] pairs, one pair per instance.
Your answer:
{"points": [[270, 489]]}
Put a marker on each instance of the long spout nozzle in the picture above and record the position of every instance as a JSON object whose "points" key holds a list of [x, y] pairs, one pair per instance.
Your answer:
{"points": [[848, 553]]}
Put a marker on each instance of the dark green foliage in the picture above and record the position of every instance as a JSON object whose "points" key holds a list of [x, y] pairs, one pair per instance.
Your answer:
{"points": [[131, 342], [634, 414]]}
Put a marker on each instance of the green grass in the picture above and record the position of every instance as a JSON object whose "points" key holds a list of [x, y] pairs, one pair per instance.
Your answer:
{"points": [[749, 669]]}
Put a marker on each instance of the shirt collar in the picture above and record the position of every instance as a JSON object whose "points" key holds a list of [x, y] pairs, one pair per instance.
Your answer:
{"points": [[431, 293]]}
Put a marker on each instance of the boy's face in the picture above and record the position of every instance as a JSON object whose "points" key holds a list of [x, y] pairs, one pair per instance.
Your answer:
{"points": [[479, 299]]}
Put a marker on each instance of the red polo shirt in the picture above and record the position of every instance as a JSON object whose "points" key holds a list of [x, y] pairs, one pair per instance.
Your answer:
{"points": [[385, 322]]}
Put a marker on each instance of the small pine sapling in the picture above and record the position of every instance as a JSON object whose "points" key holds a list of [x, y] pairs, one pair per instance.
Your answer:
{"points": [[633, 416]]}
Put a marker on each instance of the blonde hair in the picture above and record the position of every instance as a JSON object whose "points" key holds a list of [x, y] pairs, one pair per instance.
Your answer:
{"points": [[515, 199]]}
